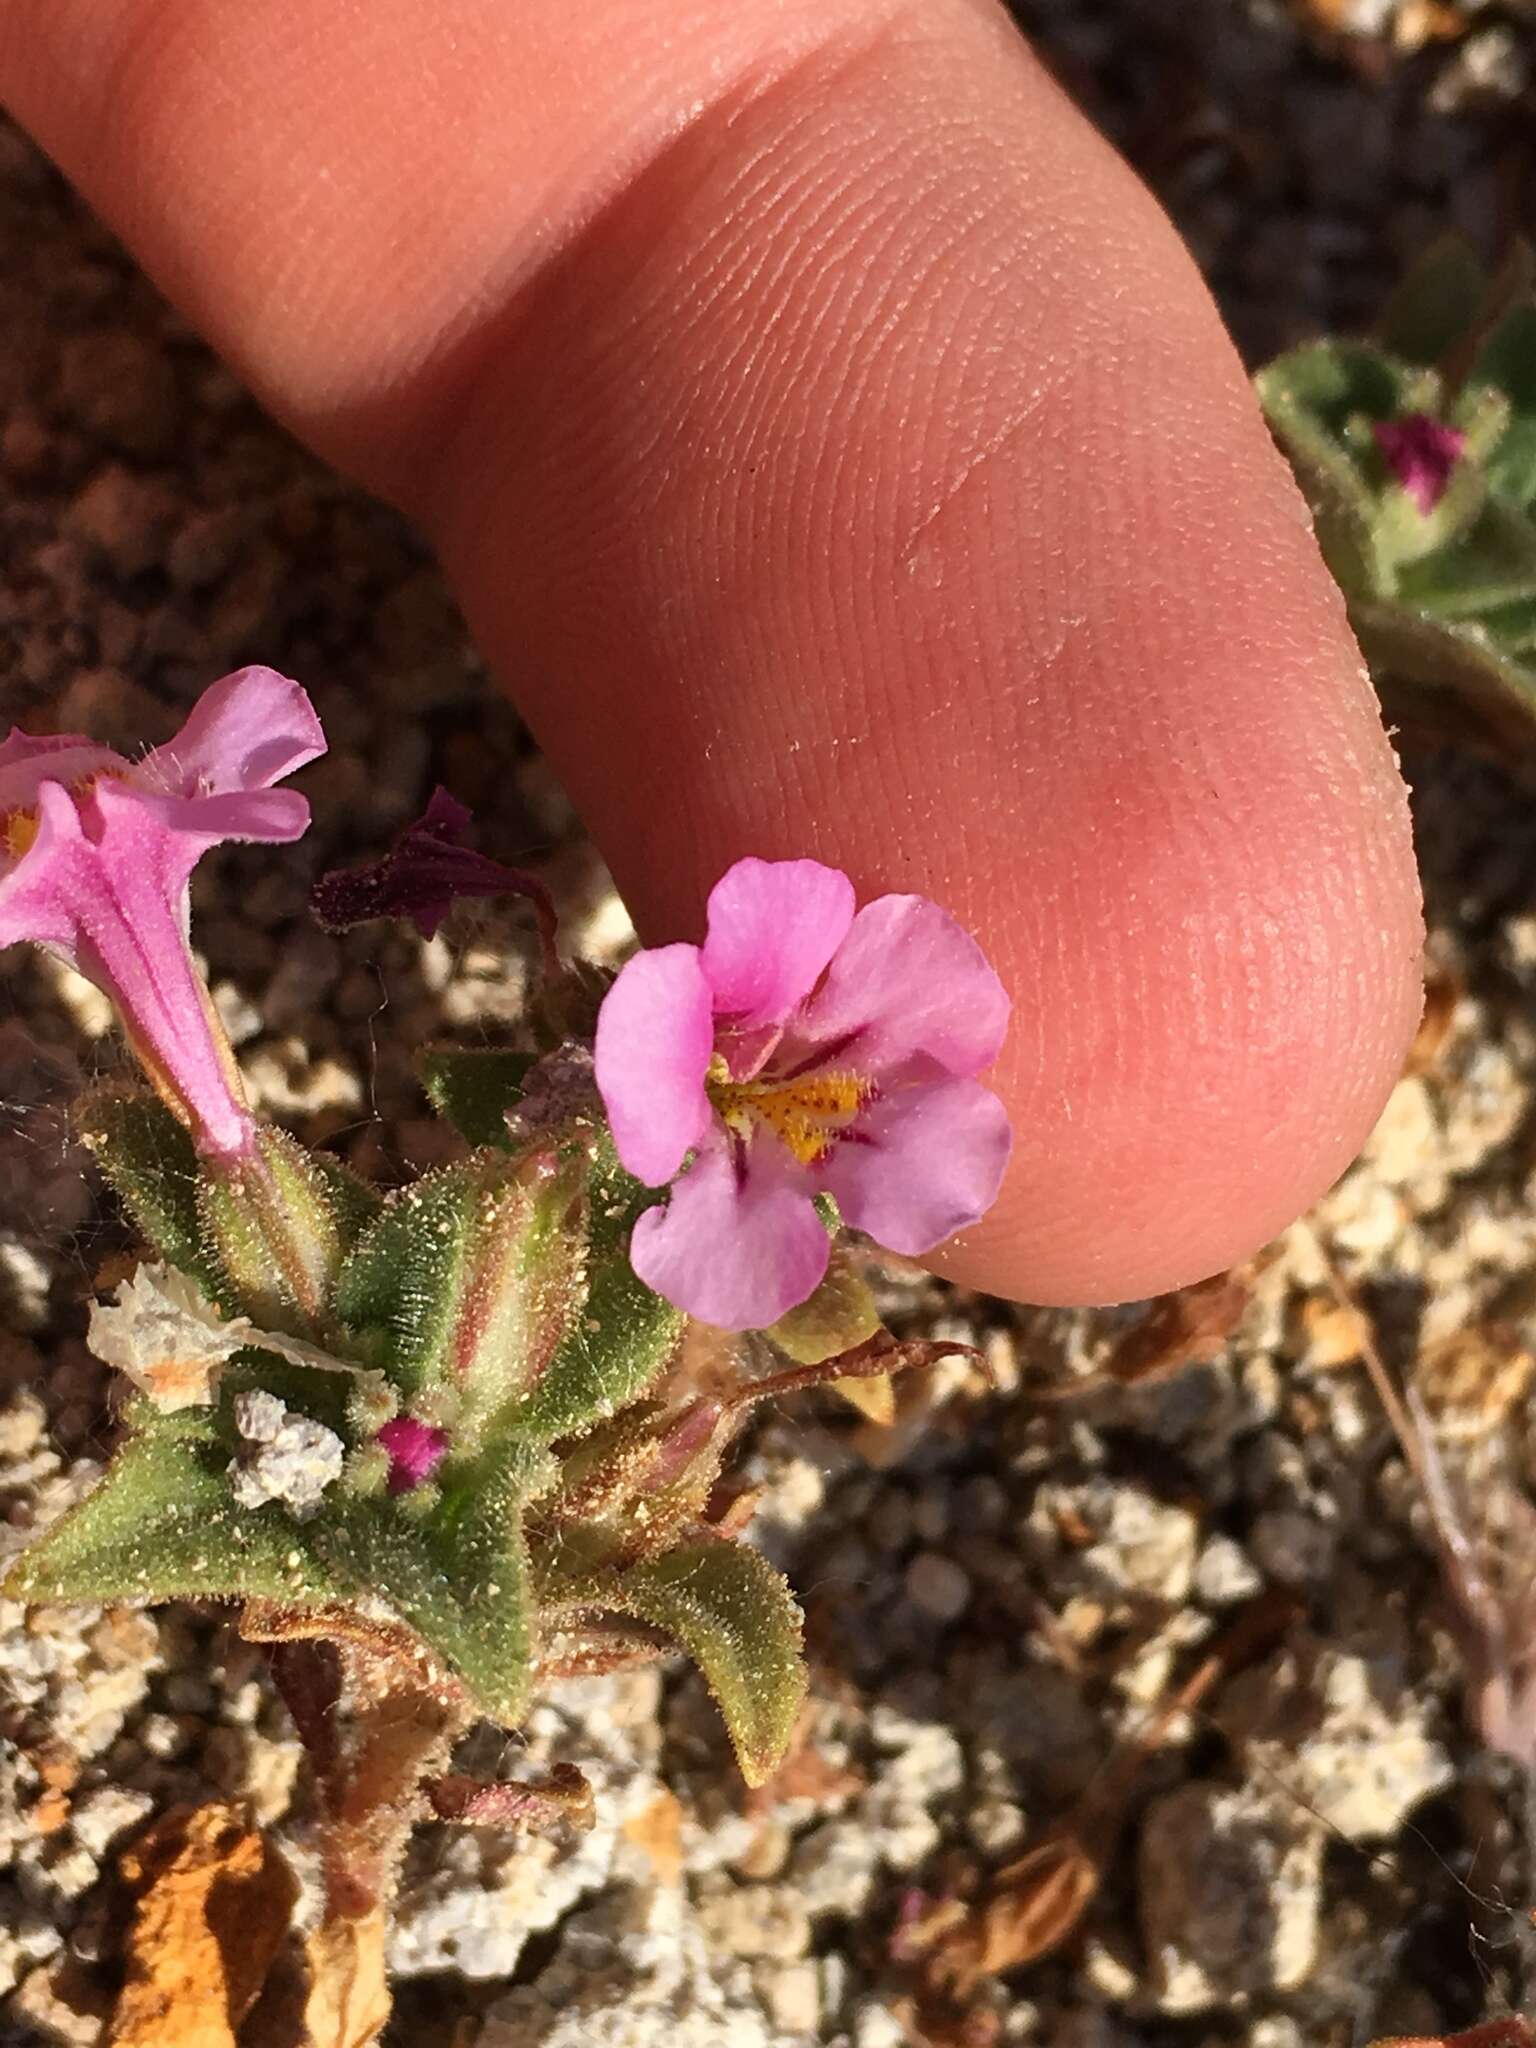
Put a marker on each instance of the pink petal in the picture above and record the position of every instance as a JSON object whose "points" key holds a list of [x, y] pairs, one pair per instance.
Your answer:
{"points": [[272, 815], [909, 981], [32, 906], [773, 926], [246, 731], [26, 763], [735, 1250], [655, 1037], [930, 1163], [113, 905]]}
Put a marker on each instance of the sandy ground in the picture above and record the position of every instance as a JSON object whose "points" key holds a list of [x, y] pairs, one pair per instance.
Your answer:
{"points": [[1004, 1589]]}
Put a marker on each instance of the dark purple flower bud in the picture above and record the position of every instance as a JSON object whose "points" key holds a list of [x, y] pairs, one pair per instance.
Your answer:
{"points": [[415, 1450], [423, 874], [1421, 453]]}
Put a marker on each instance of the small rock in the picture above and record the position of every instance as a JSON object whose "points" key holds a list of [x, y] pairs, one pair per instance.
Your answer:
{"points": [[1346, 1737], [1276, 2030], [113, 709], [791, 1995], [102, 1816], [937, 1586], [759, 1920], [930, 1514], [996, 1826], [53, 1882], [164, 1737], [120, 388], [876, 2026], [1108, 1970], [64, 2005], [1229, 1890], [205, 546], [1223, 1574], [123, 515], [1405, 1139], [1293, 1547], [27, 448], [766, 1852], [1134, 1543], [23, 1425]]}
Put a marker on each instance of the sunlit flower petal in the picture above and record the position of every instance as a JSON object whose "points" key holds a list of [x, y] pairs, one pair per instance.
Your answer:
{"points": [[655, 1036], [909, 980], [802, 1050], [735, 1245], [95, 855], [773, 926], [929, 1162], [246, 731]]}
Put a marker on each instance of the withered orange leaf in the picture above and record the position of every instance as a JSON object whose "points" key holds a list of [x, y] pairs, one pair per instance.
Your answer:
{"points": [[214, 1907]]}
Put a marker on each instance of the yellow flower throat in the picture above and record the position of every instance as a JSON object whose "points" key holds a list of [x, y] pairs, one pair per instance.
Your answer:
{"points": [[18, 829], [806, 1114]]}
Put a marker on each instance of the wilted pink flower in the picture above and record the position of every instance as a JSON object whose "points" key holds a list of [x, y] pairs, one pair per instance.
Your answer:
{"points": [[415, 1448], [95, 856], [423, 875], [802, 1049], [1421, 453]]}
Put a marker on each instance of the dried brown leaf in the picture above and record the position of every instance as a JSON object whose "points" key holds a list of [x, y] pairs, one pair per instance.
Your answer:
{"points": [[566, 1797], [1191, 1327], [1188, 1328], [943, 2027], [1442, 992], [349, 2001], [1471, 1380], [1030, 1909], [214, 1909]]}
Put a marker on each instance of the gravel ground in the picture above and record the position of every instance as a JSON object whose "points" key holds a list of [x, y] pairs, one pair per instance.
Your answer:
{"points": [[1004, 1589]]}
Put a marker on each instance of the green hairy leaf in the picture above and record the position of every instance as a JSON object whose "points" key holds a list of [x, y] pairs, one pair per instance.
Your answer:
{"points": [[737, 1619], [475, 1090], [1492, 565], [1434, 662], [147, 1155], [281, 1223], [466, 1281], [459, 1574], [618, 1343], [163, 1525]]}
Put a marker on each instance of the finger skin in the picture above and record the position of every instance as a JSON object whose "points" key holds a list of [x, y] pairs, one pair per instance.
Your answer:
{"points": [[838, 456]]}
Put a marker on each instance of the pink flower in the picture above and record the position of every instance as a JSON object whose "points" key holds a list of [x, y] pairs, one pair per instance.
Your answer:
{"points": [[1421, 453], [415, 1448], [802, 1049], [95, 857]]}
